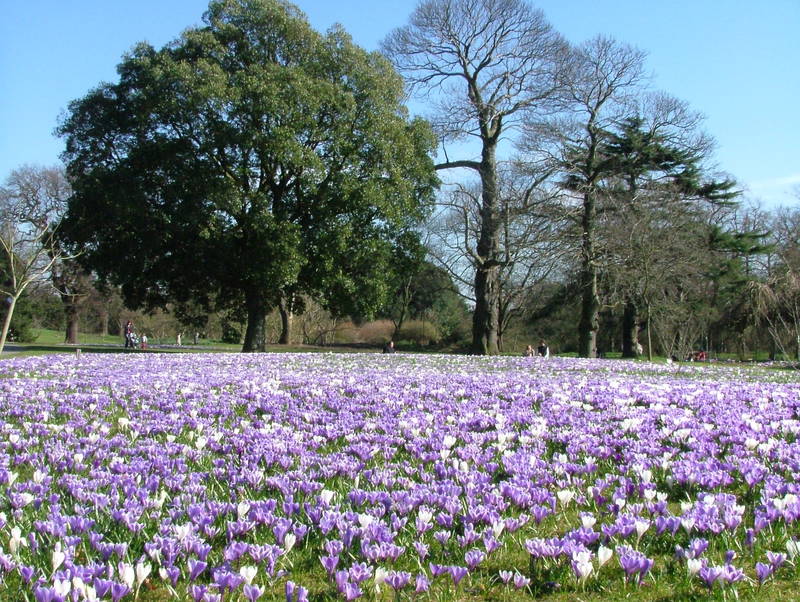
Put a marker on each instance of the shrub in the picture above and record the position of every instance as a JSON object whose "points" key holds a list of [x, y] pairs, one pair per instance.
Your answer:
{"points": [[377, 332], [419, 332]]}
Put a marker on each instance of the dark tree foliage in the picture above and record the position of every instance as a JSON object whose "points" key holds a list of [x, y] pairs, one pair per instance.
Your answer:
{"points": [[249, 159]]}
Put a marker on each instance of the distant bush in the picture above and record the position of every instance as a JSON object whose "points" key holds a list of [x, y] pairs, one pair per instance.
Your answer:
{"points": [[376, 333], [419, 332], [21, 328], [346, 333]]}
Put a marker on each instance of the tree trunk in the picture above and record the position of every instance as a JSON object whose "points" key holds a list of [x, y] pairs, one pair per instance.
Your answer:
{"points": [[255, 338], [589, 323], [285, 309], [72, 314], [12, 303], [104, 321], [486, 317], [630, 329]]}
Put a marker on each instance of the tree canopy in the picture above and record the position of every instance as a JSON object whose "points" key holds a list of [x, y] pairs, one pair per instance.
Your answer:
{"points": [[249, 159]]}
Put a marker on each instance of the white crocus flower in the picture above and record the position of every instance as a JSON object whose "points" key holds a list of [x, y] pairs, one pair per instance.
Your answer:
{"points": [[425, 515], [127, 574], [604, 554], [641, 527], [249, 573], [58, 556], [142, 572], [497, 528], [565, 496], [62, 587], [16, 541], [380, 576]]}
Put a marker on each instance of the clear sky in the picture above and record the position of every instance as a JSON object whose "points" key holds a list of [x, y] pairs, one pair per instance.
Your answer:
{"points": [[736, 61]]}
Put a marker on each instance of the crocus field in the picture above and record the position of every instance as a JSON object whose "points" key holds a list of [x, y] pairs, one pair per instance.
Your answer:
{"points": [[395, 477]]}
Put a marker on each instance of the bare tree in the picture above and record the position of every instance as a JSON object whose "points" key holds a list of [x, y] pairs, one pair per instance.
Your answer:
{"points": [[776, 298], [603, 85], [31, 207], [529, 242], [484, 64]]}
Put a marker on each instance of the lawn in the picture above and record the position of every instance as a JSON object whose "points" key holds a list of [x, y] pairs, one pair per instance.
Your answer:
{"points": [[395, 477]]}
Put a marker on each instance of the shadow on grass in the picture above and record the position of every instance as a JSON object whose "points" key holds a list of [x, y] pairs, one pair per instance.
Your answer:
{"points": [[34, 349]]}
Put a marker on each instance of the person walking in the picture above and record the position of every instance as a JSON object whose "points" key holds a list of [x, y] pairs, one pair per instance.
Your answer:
{"points": [[128, 331]]}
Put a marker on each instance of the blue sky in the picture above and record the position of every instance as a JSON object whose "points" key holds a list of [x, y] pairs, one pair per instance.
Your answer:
{"points": [[736, 61]]}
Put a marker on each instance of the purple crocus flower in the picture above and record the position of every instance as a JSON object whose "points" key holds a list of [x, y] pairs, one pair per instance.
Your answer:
{"points": [[457, 572], [732, 574], [521, 581], [334, 547], [341, 578], [360, 572], [473, 558], [398, 579], [252, 592], [422, 583], [696, 547], [329, 563], [776, 559], [46, 594], [102, 587], [634, 563], [352, 591], [763, 572], [422, 549], [709, 574], [437, 569], [26, 572], [196, 567], [442, 536], [302, 594], [118, 591]]}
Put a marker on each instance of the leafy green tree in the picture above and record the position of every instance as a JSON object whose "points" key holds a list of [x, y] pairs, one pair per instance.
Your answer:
{"points": [[248, 160], [656, 194]]}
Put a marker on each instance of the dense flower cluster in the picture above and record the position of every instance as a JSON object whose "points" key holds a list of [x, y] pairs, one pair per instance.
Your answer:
{"points": [[247, 477]]}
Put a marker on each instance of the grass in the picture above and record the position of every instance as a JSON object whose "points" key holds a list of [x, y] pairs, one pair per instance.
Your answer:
{"points": [[52, 341]]}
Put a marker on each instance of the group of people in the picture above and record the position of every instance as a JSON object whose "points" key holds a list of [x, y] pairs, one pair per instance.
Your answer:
{"points": [[132, 341], [542, 350]]}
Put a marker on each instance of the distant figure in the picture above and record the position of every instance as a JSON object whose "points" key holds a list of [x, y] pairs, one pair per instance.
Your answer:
{"points": [[543, 350], [528, 351], [144, 341], [178, 338], [389, 347], [196, 338], [128, 331]]}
